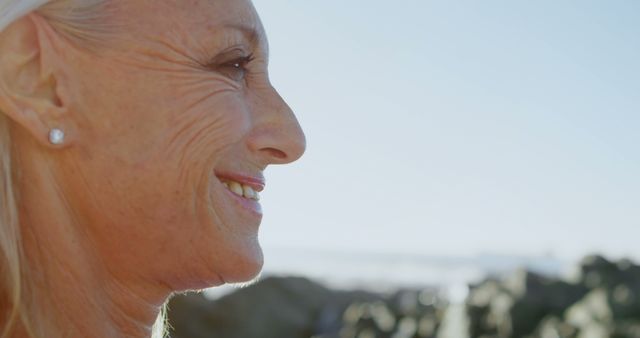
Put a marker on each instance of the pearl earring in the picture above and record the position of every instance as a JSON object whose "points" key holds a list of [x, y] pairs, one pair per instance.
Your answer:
{"points": [[56, 136]]}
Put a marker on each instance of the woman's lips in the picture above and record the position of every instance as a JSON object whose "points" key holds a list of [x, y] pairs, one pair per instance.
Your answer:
{"points": [[251, 205], [244, 190], [257, 183]]}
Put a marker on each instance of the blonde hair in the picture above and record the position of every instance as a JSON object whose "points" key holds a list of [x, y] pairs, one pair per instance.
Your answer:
{"points": [[80, 21]]}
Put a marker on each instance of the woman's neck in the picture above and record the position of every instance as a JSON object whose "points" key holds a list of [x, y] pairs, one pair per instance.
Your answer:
{"points": [[70, 283]]}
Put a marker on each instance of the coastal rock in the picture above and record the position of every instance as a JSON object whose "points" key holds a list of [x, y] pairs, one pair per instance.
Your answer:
{"points": [[299, 308], [597, 272], [515, 305], [272, 308], [405, 314], [610, 309]]}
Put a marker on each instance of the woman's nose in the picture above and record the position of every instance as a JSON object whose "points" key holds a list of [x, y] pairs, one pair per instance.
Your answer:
{"points": [[277, 137]]}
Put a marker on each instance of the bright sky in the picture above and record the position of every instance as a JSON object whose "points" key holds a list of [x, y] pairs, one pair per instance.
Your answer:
{"points": [[458, 127]]}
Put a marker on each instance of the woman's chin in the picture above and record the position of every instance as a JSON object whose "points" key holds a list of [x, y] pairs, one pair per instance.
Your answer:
{"points": [[244, 266], [240, 265], [241, 268]]}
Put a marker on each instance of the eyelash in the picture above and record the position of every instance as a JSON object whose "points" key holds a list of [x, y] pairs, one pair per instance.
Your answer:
{"points": [[241, 62], [236, 65]]}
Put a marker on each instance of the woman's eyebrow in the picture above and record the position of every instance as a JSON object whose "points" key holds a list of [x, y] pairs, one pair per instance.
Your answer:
{"points": [[253, 35]]}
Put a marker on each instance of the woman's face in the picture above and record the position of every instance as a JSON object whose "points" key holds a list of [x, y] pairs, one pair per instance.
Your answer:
{"points": [[167, 121]]}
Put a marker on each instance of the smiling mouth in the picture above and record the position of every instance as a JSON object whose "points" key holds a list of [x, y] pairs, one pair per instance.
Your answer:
{"points": [[241, 190]]}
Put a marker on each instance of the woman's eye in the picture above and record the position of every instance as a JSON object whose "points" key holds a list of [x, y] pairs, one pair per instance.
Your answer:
{"points": [[236, 69]]}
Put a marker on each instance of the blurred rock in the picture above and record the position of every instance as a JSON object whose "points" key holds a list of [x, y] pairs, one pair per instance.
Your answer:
{"points": [[555, 327], [405, 314], [299, 308], [527, 304], [603, 301], [597, 272], [514, 306], [594, 308], [272, 308]]}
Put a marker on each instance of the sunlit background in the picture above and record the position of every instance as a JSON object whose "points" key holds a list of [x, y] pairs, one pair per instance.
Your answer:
{"points": [[450, 144], [447, 132]]}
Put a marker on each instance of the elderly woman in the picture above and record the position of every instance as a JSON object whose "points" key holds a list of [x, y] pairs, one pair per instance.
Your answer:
{"points": [[133, 139]]}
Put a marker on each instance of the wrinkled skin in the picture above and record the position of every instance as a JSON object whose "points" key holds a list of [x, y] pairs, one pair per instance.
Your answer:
{"points": [[161, 119], [150, 119]]}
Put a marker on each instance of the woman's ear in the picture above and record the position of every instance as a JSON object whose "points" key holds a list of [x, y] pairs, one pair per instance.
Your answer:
{"points": [[29, 89]]}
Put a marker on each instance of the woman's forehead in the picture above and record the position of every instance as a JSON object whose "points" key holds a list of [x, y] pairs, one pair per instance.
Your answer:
{"points": [[200, 15], [198, 21]]}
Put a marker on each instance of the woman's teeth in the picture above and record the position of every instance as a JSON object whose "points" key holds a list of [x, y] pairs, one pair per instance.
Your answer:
{"points": [[242, 190]]}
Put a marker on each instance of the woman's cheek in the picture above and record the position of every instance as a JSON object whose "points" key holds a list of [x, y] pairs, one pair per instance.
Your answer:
{"points": [[224, 121], [197, 142]]}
